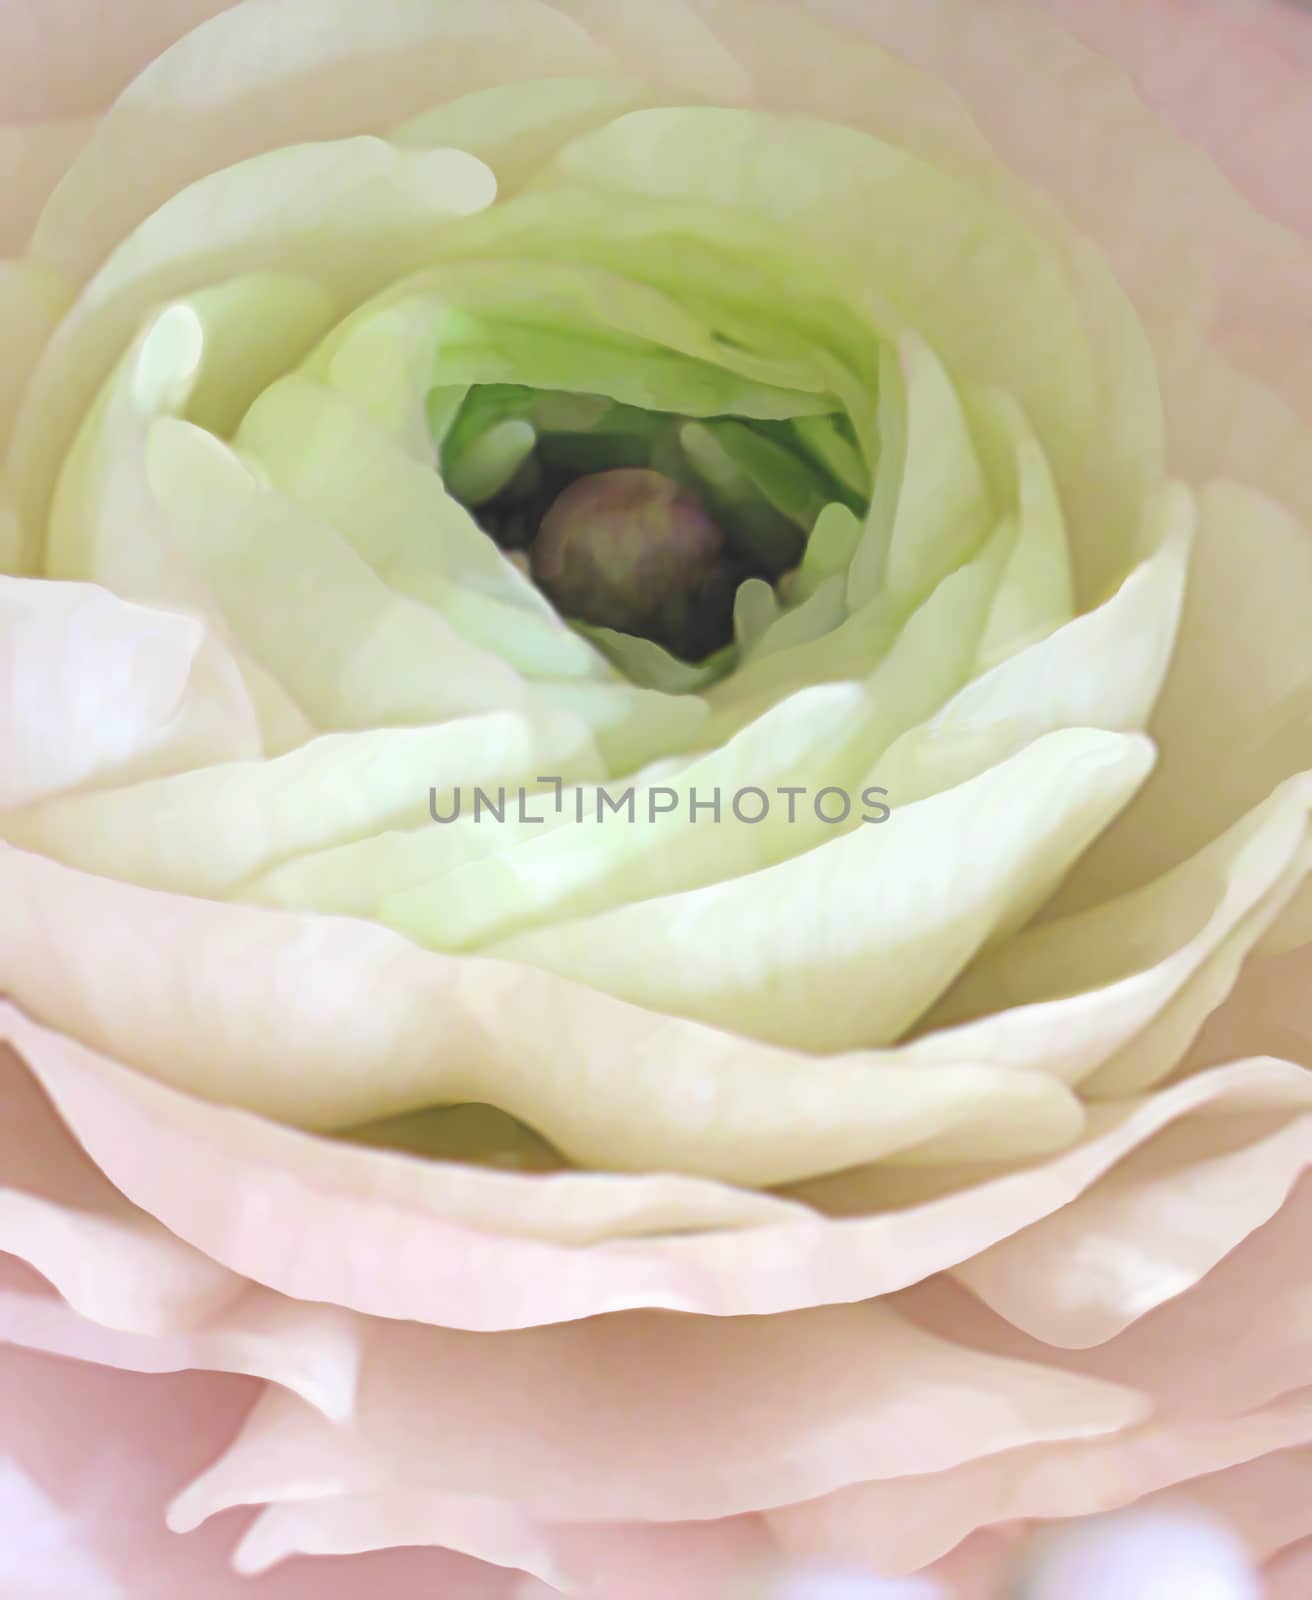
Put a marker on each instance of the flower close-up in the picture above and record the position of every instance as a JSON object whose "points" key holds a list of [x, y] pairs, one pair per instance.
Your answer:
{"points": [[655, 799]]}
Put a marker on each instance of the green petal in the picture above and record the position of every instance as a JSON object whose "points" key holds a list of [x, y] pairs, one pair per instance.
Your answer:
{"points": [[1037, 592], [350, 215], [514, 128], [582, 868], [1104, 669], [316, 448], [931, 506], [847, 945], [354, 652], [204, 831]]}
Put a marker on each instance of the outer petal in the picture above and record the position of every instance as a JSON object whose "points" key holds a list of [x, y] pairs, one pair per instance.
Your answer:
{"points": [[92, 1456], [327, 1021], [321, 1220]]}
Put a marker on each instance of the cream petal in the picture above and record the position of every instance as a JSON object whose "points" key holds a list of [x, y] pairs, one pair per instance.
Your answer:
{"points": [[569, 1208], [321, 1220], [96, 688], [1112, 997], [32, 300], [108, 524], [1242, 652], [1103, 669], [351, 215], [327, 1022], [206, 830], [513, 127], [262, 76]]}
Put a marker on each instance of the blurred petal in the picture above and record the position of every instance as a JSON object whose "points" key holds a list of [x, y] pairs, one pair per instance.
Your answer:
{"points": [[71, 57], [1140, 1555], [92, 1457]]}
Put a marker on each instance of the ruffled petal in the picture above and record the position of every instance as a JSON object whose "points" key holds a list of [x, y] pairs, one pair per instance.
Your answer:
{"points": [[322, 1220], [327, 1022]]}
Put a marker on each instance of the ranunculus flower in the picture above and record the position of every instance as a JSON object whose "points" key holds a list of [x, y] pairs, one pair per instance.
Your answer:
{"points": [[875, 409]]}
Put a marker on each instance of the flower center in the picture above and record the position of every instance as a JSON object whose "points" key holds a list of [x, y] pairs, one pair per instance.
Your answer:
{"points": [[643, 525], [633, 550]]}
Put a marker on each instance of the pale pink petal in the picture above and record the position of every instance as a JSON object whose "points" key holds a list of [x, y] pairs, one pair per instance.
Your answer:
{"points": [[133, 1295], [533, 1417], [91, 1458], [309, 1350], [62, 58], [1219, 285], [1232, 75], [33, 158], [1267, 1502], [704, 1560], [1150, 1230], [902, 1525], [1289, 1576], [1200, 1353], [1214, 1371], [61, 63]]}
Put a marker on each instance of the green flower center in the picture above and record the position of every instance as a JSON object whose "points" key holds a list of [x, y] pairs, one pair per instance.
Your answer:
{"points": [[643, 523]]}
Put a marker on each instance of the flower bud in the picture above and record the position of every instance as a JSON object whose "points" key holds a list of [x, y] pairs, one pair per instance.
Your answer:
{"points": [[635, 551]]}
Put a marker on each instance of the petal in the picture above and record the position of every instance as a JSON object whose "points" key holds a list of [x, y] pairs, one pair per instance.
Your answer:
{"points": [[350, 215], [802, 954], [93, 1456], [444, 1411], [323, 1220], [903, 1525], [206, 830], [328, 1021], [98, 688], [1151, 1230], [71, 57], [1129, 982], [1242, 652], [262, 76]]}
